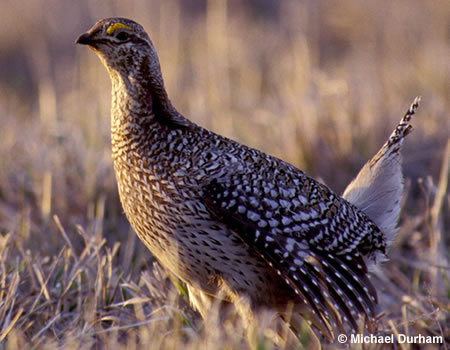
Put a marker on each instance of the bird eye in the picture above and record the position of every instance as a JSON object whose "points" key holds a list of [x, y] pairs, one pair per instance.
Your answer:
{"points": [[122, 36]]}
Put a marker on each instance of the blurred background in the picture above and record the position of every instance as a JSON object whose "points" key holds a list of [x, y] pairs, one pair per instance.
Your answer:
{"points": [[320, 84]]}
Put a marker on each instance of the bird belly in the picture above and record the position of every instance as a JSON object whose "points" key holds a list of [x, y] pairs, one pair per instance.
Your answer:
{"points": [[201, 251], [211, 258]]}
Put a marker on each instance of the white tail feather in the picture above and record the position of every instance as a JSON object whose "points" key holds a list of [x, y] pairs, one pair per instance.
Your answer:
{"points": [[378, 188]]}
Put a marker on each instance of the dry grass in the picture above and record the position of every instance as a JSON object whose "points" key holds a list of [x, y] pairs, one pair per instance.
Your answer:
{"points": [[320, 84]]}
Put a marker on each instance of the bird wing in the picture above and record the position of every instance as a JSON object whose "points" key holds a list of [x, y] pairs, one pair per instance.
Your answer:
{"points": [[311, 237]]}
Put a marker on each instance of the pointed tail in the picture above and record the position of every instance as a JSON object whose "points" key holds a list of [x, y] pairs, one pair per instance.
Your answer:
{"points": [[378, 188]]}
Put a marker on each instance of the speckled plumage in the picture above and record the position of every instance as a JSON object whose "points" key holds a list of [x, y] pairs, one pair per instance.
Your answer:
{"points": [[223, 217]]}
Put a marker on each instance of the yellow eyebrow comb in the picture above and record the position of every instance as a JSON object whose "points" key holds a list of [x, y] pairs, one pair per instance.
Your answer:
{"points": [[114, 26]]}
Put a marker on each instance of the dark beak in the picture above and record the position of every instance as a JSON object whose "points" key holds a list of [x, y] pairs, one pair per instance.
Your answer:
{"points": [[85, 39]]}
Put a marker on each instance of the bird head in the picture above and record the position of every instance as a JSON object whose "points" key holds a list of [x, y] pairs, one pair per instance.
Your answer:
{"points": [[130, 57], [123, 46]]}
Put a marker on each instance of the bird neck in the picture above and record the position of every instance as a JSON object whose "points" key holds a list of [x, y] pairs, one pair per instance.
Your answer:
{"points": [[140, 99], [142, 116]]}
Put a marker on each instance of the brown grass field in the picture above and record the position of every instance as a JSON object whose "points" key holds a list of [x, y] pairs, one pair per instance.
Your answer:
{"points": [[320, 84]]}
